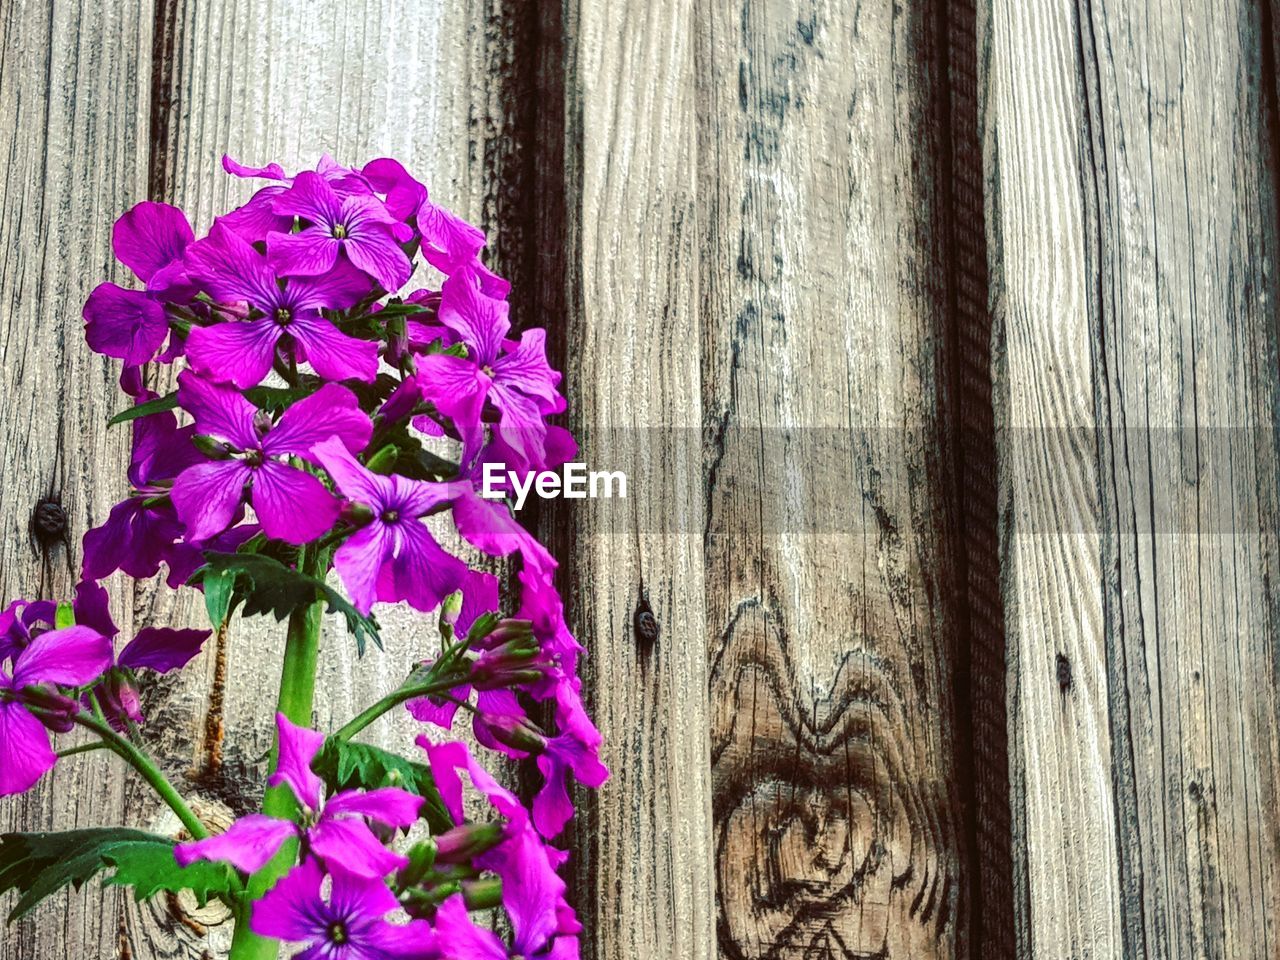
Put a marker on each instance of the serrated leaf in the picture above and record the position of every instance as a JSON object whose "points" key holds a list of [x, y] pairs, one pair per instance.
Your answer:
{"points": [[149, 867], [348, 766], [158, 405], [265, 585], [38, 865]]}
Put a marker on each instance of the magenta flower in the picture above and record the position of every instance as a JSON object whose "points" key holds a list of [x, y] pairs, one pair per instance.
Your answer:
{"points": [[516, 379], [336, 832], [356, 225], [350, 924], [394, 556], [284, 313], [70, 657], [291, 504], [140, 532], [131, 325], [532, 892]]}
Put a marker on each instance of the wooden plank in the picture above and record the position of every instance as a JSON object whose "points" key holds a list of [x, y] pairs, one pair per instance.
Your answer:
{"points": [[632, 375], [831, 582], [283, 82], [73, 129], [1134, 236]]}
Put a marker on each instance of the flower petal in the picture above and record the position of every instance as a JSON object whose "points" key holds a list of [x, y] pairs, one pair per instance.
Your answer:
{"points": [[389, 805], [237, 351], [162, 649], [207, 496], [231, 270], [249, 843], [332, 411], [310, 198], [291, 505], [358, 562], [292, 909], [352, 478], [149, 237], [458, 938], [25, 754], [306, 254], [351, 846], [72, 657], [333, 354], [298, 747], [375, 251], [218, 410], [479, 320], [125, 324]]}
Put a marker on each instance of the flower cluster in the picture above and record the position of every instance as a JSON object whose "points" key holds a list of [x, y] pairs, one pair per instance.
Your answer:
{"points": [[317, 399]]}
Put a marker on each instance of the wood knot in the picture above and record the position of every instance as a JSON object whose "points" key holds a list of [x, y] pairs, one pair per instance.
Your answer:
{"points": [[1064, 674], [646, 626], [49, 521]]}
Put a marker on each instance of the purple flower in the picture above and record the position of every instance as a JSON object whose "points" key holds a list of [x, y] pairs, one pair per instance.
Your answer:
{"points": [[290, 503], [285, 311], [70, 657], [356, 225], [131, 325], [394, 556], [141, 530], [532, 891], [515, 378], [350, 924], [336, 831]]}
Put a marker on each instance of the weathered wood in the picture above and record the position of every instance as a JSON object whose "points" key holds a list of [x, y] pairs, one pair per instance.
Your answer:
{"points": [[832, 591], [1134, 236], [632, 372], [73, 130]]}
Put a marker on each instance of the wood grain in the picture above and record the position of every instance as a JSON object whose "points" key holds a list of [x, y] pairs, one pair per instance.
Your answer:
{"points": [[73, 130], [1134, 229], [632, 373], [830, 541]]}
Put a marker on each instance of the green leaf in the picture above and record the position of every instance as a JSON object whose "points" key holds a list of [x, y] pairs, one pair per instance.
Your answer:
{"points": [[38, 865], [276, 399], [218, 586], [149, 867], [158, 405], [348, 766], [265, 585]]}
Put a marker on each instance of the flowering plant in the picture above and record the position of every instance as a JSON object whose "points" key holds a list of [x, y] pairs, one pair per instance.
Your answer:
{"points": [[315, 395]]}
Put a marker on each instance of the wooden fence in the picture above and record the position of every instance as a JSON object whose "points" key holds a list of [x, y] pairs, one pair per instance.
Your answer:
{"points": [[941, 342]]}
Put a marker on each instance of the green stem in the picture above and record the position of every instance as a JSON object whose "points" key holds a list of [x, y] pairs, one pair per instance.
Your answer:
{"points": [[297, 694], [393, 700], [122, 748], [83, 748]]}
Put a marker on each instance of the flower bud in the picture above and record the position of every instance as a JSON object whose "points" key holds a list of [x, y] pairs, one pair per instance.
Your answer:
{"points": [[261, 423], [518, 733], [462, 844], [50, 707], [482, 894], [211, 447], [450, 610], [356, 514]]}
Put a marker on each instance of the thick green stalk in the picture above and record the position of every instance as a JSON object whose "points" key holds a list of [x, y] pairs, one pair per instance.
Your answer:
{"points": [[297, 694]]}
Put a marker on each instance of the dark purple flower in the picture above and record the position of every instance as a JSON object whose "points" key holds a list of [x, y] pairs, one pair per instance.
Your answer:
{"points": [[349, 924], [285, 312], [336, 831], [515, 378], [70, 657], [141, 530], [394, 556], [131, 325], [356, 225], [291, 504]]}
